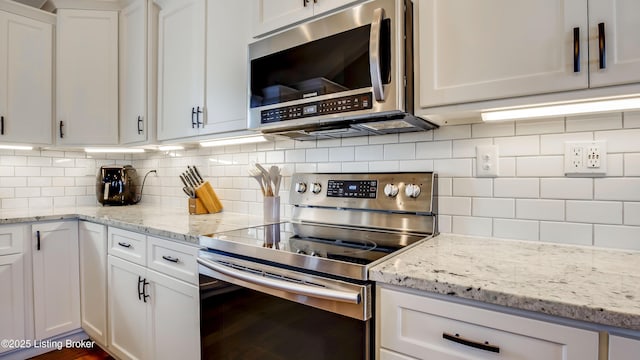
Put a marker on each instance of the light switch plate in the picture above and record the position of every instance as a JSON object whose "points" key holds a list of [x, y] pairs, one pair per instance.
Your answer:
{"points": [[585, 158], [487, 161]]}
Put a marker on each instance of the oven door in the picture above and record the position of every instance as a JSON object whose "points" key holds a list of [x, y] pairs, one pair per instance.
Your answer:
{"points": [[255, 311]]}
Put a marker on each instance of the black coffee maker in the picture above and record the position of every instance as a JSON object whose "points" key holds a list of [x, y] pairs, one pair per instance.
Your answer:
{"points": [[117, 185]]}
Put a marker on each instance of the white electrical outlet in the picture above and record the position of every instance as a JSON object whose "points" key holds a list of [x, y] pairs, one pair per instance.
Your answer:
{"points": [[487, 161], [585, 158]]}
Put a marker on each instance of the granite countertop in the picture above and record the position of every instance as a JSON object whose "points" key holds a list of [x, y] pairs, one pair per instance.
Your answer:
{"points": [[583, 283], [172, 223]]}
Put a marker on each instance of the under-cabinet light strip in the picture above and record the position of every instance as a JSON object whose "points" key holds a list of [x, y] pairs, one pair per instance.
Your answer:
{"points": [[234, 141], [113, 150]]}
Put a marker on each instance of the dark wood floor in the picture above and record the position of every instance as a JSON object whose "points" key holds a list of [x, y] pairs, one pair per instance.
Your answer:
{"points": [[75, 354]]}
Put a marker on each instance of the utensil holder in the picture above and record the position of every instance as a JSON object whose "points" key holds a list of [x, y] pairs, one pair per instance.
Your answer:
{"points": [[196, 207], [271, 209]]}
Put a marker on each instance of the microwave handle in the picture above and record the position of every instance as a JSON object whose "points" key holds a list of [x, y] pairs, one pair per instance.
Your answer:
{"points": [[374, 54]]}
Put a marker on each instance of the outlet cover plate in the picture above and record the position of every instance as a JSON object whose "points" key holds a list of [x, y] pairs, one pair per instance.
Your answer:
{"points": [[487, 161], [585, 158]]}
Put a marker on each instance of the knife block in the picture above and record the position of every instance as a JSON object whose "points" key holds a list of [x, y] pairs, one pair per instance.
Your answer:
{"points": [[196, 207]]}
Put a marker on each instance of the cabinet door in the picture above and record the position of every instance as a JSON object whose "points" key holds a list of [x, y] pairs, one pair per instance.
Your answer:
{"points": [[128, 313], [481, 50], [621, 348], [622, 48], [133, 73], [26, 92], [87, 77], [12, 298], [181, 67], [56, 278], [174, 334], [227, 67], [93, 280], [11, 240], [269, 15]]}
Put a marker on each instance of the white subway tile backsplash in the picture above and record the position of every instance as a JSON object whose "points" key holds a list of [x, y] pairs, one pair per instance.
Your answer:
{"points": [[63, 181], [471, 226], [22, 192], [490, 207], [516, 188], [52, 191], [566, 188], [329, 143], [415, 165], [384, 139], [404, 151], [27, 171], [540, 166], [615, 165], [543, 126], [294, 156], [621, 237], [354, 141], [594, 122], [433, 150], [453, 167], [304, 167], [332, 167], [384, 166], [516, 229], [454, 205], [598, 212], [317, 155], [620, 140], [444, 186], [15, 203], [339, 154], [43, 181], [444, 223], [40, 202], [355, 167], [452, 132], [632, 213], [13, 181], [416, 136], [275, 157], [63, 201], [540, 209], [518, 145], [467, 148], [631, 164], [507, 167], [623, 189], [7, 171], [472, 187], [484, 130], [369, 153], [631, 119], [554, 144], [567, 233]]}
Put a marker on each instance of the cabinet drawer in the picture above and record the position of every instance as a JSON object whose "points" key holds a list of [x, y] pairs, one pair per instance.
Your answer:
{"points": [[128, 245], [622, 348], [173, 259], [12, 239], [419, 326]]}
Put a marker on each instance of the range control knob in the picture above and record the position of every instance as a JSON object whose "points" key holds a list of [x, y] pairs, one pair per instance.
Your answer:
{"points": [[391, 190], [412, 190], [301, 187], [316, 188]]}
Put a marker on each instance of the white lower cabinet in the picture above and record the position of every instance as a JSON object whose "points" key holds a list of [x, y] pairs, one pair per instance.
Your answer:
{"points": [[623, 348], [56, 278], [93, 280], [412, 326], [13, 312], [152, 314]]}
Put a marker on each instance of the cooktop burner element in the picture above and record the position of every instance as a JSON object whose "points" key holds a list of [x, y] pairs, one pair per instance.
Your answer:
{"points": [[342, 223]]}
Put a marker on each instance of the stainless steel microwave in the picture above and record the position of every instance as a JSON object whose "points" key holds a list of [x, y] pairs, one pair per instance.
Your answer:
{"points": [[346, 74]]}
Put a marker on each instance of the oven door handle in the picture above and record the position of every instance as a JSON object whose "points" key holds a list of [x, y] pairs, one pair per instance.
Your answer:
{"points": [[374, 54], [306, 290]]}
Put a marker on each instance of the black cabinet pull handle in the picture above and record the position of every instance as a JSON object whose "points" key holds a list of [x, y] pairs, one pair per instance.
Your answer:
{"points": [[193, 117], [140, 291], [144, 290], [576, 49], [38, 240], [139, 123], [474, 344], [602, 49], [61, 131], [304, 3], [198, 112], [124, 244], [1, 125], [171, 258]]}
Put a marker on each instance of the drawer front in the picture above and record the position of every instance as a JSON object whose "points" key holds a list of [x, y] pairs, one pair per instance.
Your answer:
{"points": [[12, 239], [173, 259], [621, 348], [428, 328], [128, 245]]}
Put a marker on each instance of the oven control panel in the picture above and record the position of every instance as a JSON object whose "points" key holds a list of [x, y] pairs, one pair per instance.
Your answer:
{"points": [[315, 108], [366, 189]]}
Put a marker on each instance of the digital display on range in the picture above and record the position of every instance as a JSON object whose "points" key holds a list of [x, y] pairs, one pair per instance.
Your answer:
{"points": [[362, 189]]}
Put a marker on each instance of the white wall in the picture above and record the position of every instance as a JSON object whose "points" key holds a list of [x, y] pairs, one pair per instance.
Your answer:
{"points": [[531, 199]]}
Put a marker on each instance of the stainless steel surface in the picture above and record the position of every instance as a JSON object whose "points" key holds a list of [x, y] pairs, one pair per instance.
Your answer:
{"points": [[392, 103], [361, 310], [374, 55]]}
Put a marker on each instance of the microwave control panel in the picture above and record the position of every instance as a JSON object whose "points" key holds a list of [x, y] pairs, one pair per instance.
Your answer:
{"points": [[316, 108]]}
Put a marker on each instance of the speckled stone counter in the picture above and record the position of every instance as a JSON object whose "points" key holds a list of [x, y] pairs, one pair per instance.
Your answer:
{"points": [[172, 223], [583, 283]]}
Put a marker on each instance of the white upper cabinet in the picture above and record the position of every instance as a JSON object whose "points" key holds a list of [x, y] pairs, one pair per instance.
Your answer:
{"points": [[136, 34], [481, 50], [26, 79], [621, 48], [87, 77], [181, 73], [271, 15]]}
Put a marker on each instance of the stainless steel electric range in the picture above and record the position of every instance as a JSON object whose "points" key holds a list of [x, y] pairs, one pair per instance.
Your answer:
{"points": [[300, 288]]}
